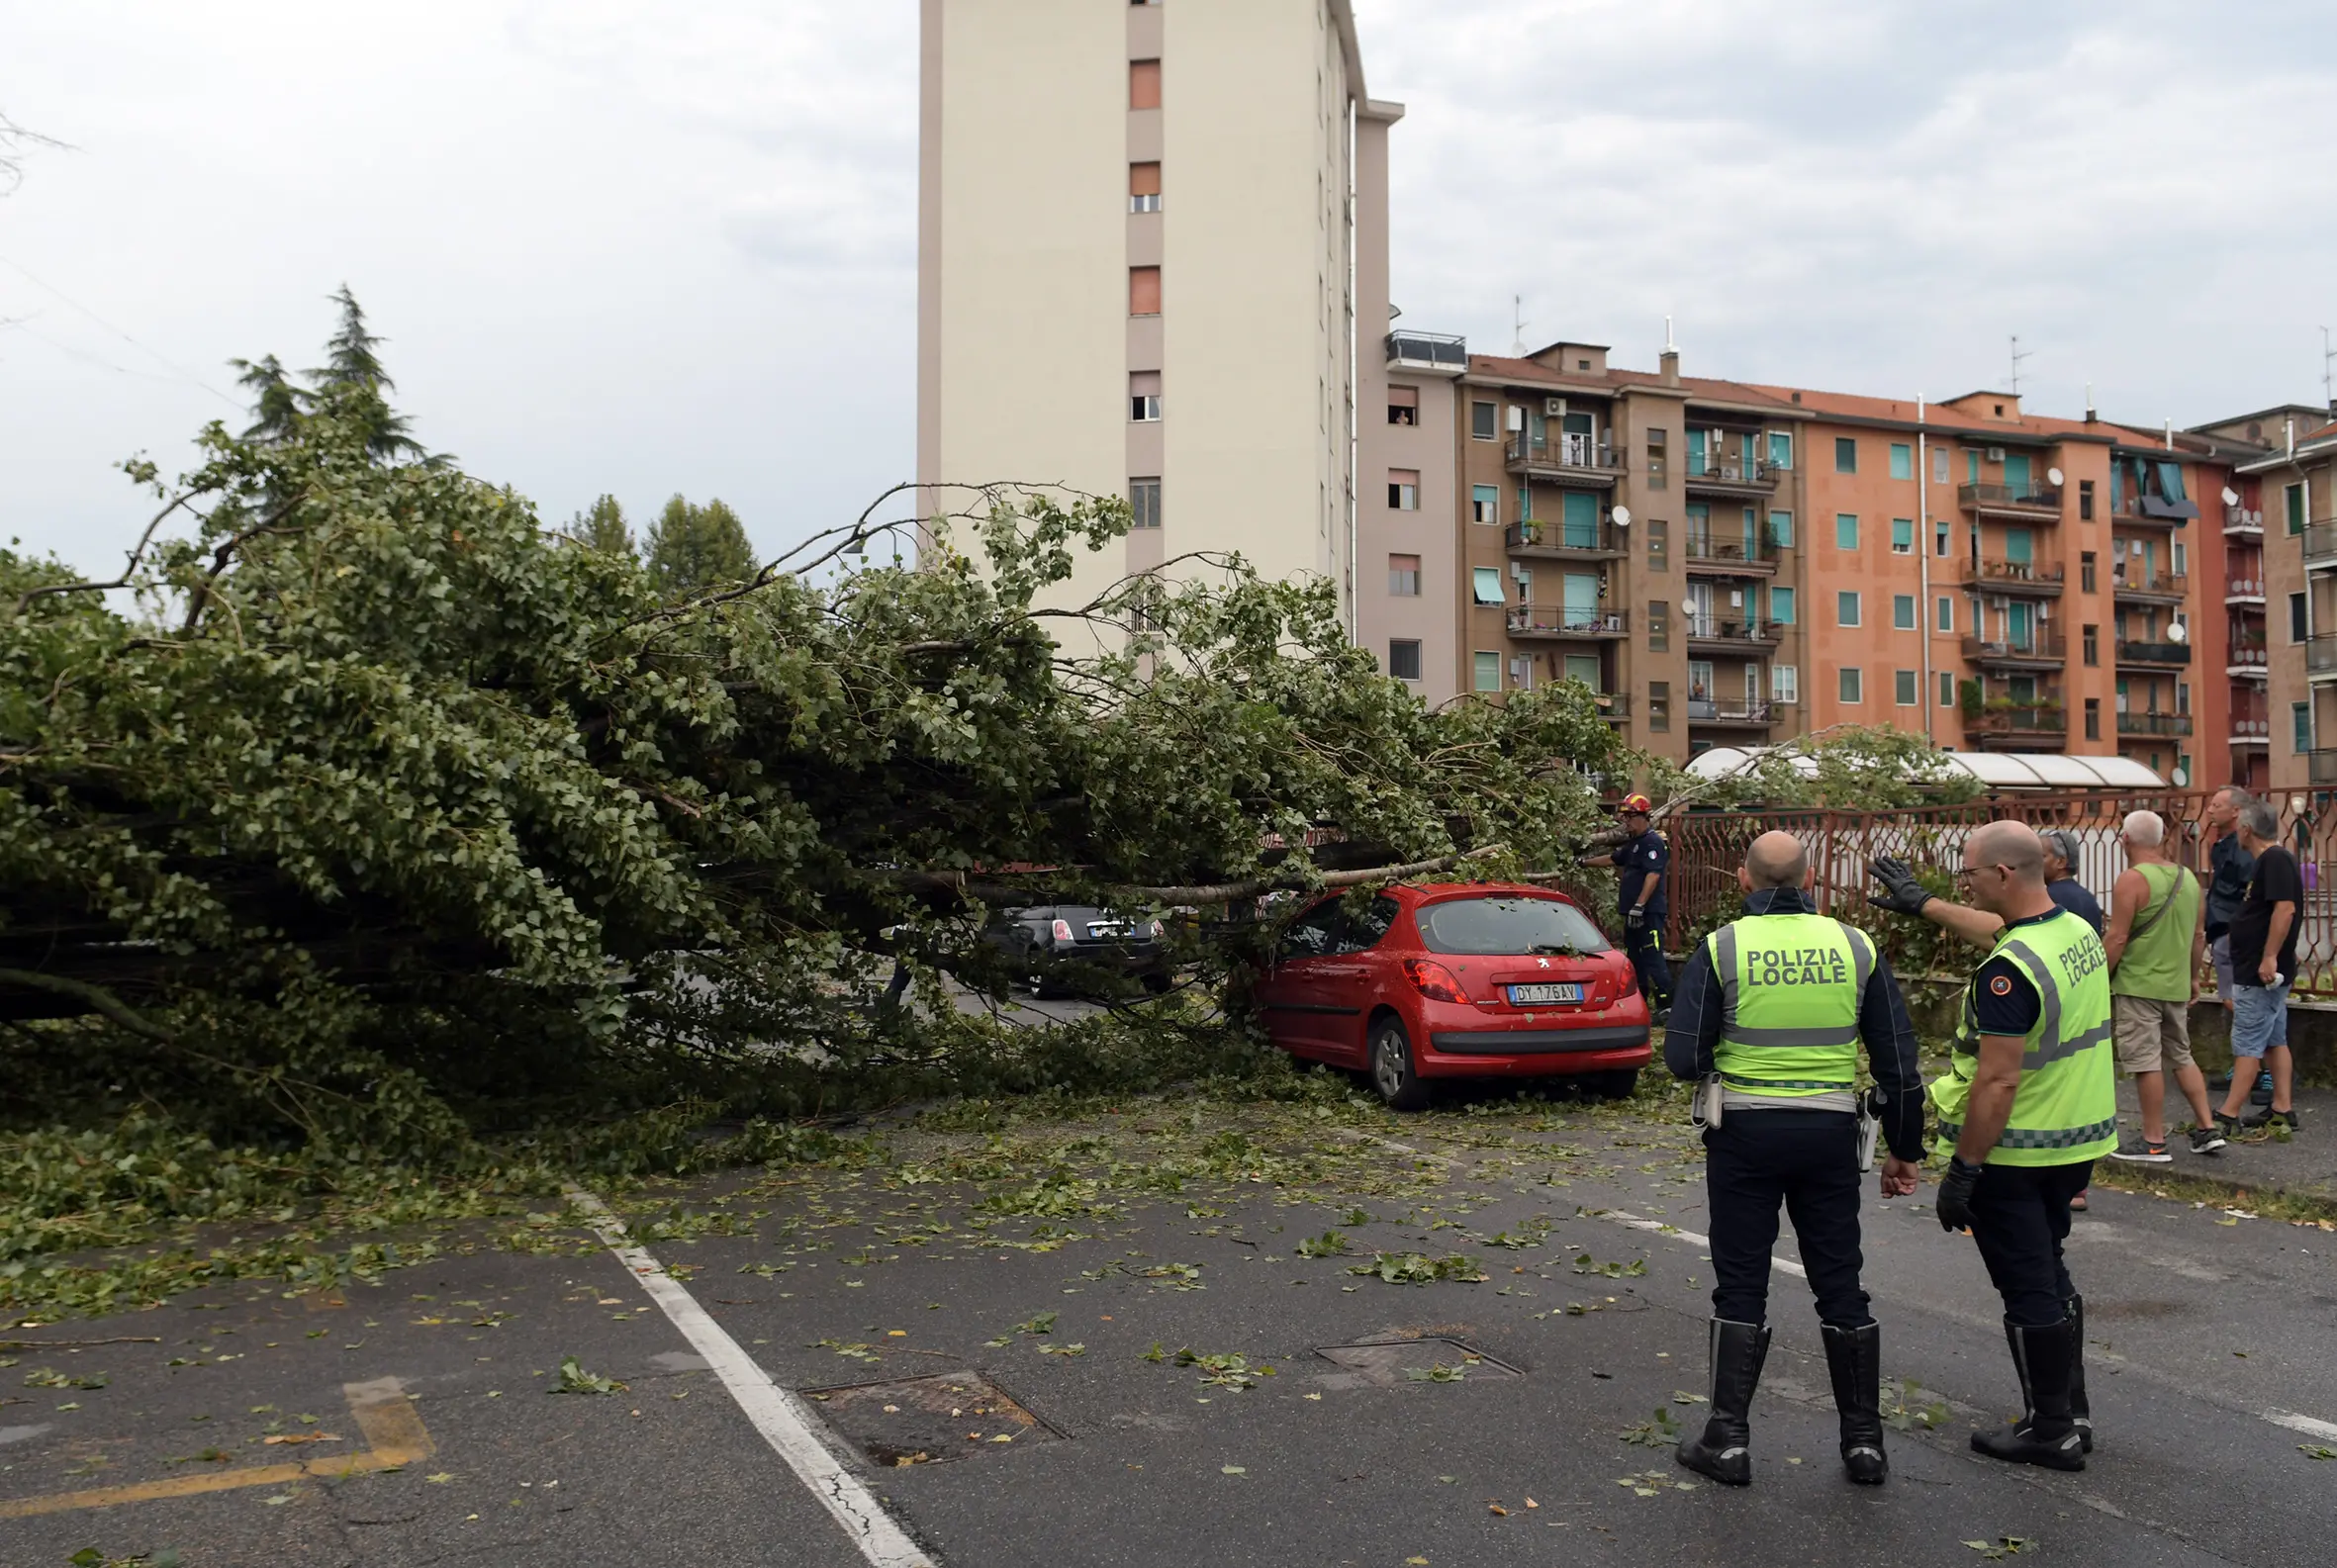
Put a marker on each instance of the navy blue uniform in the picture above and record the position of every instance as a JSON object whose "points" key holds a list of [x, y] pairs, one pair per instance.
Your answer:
{"points": [[1636, 860]]}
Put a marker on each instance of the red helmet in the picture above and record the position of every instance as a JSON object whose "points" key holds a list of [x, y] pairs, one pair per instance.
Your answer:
{"points": [[1639, 804]]}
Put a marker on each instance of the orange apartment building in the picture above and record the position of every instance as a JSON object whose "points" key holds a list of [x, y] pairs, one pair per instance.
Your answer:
{"points": [[1733, 563]]}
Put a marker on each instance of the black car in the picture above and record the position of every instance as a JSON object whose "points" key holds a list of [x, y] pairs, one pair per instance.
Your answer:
{"points": [[1073, 947]]}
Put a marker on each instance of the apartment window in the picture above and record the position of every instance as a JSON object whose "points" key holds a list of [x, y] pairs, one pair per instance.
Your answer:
{"points": [[1484, 502], [1971, 465], [1403, 405], [1485, 670], [1902, 612], [1902, 536], [1846, 454], [1144, 84], [1659, 706], [1903, 460], [1403, 489], [1846, 608], [1947, 689], [1144, 501], [1485, 585], [2293, 503], [2093, 647], [1403, 659], [2296, 620], [2181, 558], [1143, 187], [2300, 726], [1847, 685], [2085, 501], [1906, 688], [1144, 396], [1940, 465], [1403, 576], [1484, 422], [1947, 613], [1659, 625], [2092, 719], [1781, 606], [1785, 684], [1658, 546], [1144, 291], [1781, 530], [1655, 457], [1845, 531], [1781, 450], [2085, 570]]}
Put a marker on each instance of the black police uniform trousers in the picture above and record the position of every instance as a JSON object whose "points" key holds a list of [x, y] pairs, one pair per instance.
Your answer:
{"points": [[1807, 1161], [2019, 1218], [1644, 944]]}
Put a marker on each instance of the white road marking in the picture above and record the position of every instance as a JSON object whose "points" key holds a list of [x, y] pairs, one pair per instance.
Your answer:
{"points": [[1660, 1228], [775, 1410], [2303, 1424]]}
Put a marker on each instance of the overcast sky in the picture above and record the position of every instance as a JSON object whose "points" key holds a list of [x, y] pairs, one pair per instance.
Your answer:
{"points": [[641, 250]]}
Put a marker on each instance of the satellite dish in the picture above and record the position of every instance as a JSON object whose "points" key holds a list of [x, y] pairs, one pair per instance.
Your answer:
{"points": [[2054, 474], [2231, 497], [2178, 633], [2179, 779], [1621, 515]]}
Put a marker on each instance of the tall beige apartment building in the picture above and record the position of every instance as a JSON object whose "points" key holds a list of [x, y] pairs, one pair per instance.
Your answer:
{"points": [[1149, 236]]}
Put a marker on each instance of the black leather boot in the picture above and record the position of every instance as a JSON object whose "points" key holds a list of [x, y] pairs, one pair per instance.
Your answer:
{"points": [[2045, 1435], [1854, 1358], [2081, 1413], [1725, 1450]]}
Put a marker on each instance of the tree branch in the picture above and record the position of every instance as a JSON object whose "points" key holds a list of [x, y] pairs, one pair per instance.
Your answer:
{"points": [[130, 566], [96, 997]]}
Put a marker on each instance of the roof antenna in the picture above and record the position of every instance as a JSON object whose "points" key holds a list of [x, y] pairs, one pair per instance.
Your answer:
{"points": [[1671, 348], [2017, 357], [1517, 305], [2091, 416], [2328, 381]]}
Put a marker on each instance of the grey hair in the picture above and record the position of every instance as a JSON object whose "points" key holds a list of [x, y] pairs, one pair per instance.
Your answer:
{"points": [[2061, 842], [2146, 828], [2240, 799], [2260, 819]]}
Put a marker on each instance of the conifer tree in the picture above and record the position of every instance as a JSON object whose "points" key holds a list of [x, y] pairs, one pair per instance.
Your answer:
{"points": [[692, 547], [603, 526]]}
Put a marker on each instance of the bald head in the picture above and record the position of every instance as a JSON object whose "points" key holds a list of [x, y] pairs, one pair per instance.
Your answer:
{"points": [[2013, 845], [1776, 860]]}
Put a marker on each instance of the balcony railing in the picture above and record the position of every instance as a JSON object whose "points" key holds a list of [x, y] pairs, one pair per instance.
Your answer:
{"points": [[2019, 498], [2136, 651], [2250, 724], [1565, 449], [2245, 652], [1708, 551], [2014, 576], [2018, 718], [1708, 710], [1758, 473], [1711, 628], [1542, 536], [2323, 767], [2243, 588], [2320, 542], [1428, 351], [2243, 521], [2154, 723], [2320, 654], [2038, 648], [1558, 620], [1611, 705], [2150, 585]]}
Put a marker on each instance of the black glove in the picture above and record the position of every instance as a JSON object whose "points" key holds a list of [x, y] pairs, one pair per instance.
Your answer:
{"points": [[1904, 894], [1634, 918], [1954, 1203]]}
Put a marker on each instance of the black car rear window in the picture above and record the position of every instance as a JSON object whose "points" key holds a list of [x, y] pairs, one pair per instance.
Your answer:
{"points": [[1508, 926]]}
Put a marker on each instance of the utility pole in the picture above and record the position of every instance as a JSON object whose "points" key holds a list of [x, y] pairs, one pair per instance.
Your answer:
{"points": [[1517, 307]]}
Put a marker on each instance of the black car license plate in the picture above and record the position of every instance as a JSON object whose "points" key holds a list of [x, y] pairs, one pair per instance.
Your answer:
{"points": [[1545, 993]]}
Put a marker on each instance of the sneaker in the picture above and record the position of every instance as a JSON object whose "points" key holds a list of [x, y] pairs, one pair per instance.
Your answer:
{"points": [[2207, 1140], [2286, 1119], [2258, 1119], [2143, 1151], [2229, 1126]]}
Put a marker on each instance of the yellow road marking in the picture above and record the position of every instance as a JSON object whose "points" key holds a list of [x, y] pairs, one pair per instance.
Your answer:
{"points": [[392, 1430]]}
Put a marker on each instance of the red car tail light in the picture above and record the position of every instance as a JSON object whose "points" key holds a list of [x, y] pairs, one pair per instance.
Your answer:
{"points": [[1063, 931], [1433, 980]]}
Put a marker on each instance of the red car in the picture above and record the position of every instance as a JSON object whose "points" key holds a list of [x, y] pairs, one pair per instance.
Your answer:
{"points": [[1456, 979]]}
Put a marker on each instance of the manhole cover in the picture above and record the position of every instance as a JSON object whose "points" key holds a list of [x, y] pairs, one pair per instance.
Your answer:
{"points": [[929, 1420], [1388, 1362]]}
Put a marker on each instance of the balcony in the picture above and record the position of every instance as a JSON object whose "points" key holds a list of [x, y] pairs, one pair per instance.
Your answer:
{"points": [[1709, 634], [2243, 522], [2040, 650], [2323, 767], [1613, 707], [2019, 500], [1712, 557], [2245, 658], [2320, 544], [1432, 353], [2154, 723], [2030, 579], [2006, 719], [2151, 655], [2250, 725], [2320, 657], [1727, 477], [1559, 623], [1543, 539], [2167, 587], [2239, 589], [1571, 456], [1707, 712]]}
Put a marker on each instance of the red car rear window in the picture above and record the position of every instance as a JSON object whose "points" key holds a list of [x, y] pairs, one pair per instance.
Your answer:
{"points": [[1515, 926]]}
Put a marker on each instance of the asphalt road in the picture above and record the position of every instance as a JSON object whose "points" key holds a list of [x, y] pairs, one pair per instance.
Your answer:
{"points": [[2204, 1328]]}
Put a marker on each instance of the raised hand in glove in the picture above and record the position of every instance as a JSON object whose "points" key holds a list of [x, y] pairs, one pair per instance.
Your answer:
{"points": [[1954, 1203], [1902, 894]]}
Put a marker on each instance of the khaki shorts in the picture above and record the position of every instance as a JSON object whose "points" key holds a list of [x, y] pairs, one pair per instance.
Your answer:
{"points": [[2152, 1035]]}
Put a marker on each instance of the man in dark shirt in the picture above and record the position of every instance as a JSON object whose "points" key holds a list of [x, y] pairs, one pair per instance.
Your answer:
{"points": [[2061, 876], [1642, 867], [2263, 940], [2229, 865]]}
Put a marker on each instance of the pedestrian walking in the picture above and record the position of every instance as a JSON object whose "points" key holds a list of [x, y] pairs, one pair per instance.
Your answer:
{"points": [[2229, 865], [2027, 1104], [2156, 942], [1771, 1011], [2263, 938], [1642, 864]]}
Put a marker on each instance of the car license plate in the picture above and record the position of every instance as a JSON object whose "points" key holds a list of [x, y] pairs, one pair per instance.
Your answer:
{"points": [[1530, 996], [1108, 928]]}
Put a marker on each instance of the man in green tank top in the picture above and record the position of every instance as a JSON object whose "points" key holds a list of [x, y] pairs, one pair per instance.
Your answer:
{"points": [[2156, 942]]}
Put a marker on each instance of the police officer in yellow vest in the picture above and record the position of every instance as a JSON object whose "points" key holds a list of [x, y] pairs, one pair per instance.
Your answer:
{"points": [[1769, 1016], [2026, 1106]]}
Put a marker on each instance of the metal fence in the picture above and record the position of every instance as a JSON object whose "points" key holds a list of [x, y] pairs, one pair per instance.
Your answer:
{"points": [[1707, 847]]}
